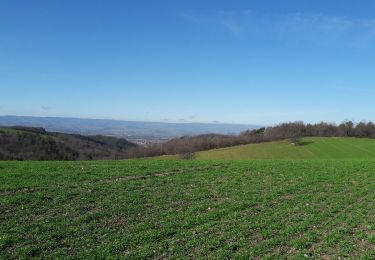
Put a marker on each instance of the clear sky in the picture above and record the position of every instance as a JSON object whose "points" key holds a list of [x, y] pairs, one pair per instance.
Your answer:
{"points": [[248, 61]]}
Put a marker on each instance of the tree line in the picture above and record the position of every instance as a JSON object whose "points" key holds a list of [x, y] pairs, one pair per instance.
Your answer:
{"points": [[25, 143], [192, 144]]}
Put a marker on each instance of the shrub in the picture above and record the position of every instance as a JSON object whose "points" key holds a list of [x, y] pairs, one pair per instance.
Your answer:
{"points": [[296, 141], [187, 156]]}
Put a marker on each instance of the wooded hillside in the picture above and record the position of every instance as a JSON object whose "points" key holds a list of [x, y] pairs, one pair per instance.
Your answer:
{"points": [[29, 143]]}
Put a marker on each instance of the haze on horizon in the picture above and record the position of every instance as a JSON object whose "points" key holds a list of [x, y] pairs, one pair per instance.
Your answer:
{"points": [[251, 62]]}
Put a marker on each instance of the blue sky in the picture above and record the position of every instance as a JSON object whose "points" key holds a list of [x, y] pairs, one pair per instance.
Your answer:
{"points": [[260, 62]]}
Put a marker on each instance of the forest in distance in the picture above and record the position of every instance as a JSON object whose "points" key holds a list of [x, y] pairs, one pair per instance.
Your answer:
{"points": [[29, 143], [290, 130]]}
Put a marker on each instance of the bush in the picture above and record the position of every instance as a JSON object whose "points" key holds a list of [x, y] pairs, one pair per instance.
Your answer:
{"points": [[187, 156], [296, 141]]}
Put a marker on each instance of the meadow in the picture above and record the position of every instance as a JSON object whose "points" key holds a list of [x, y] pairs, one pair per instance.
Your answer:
{"points": [[310, 148], [188, 209]]}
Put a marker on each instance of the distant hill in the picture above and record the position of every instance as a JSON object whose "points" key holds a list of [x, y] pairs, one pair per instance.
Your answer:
{"points": [[127, 129], [28, 143], [310, 148]]}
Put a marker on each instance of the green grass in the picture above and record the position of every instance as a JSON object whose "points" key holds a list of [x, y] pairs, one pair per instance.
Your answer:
{"points": [[312, 148], [182, 209], [9, 130]]}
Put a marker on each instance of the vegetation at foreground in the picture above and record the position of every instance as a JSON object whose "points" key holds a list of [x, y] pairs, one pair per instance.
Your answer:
{"points": [[294, 130], [30, 143], [308, 148], [158, 209]]}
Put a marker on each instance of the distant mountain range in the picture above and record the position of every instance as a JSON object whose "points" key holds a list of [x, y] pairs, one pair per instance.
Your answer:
{"points": [[127, 129]]}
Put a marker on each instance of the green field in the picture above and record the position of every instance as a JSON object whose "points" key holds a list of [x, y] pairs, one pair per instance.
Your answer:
{"points": [[182, 209], [311, 148]]}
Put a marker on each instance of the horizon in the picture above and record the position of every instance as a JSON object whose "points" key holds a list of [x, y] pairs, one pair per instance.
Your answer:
{"points": [[125, 120], [241, 62], [186, 122]]}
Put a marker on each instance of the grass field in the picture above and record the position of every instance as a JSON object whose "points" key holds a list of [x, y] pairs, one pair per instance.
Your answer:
{"points": [[312, 148], [198, 209]]}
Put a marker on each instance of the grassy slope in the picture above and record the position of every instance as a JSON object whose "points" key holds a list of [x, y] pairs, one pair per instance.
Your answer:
{"points": [[313, 148], [149, 208]]}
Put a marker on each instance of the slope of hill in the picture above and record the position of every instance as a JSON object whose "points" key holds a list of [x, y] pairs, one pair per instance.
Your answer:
{"points": [[311, 148], [27, 143], [127, 129]]}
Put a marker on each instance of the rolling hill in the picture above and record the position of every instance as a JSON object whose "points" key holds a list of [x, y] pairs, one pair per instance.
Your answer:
{"points": [[311, 148], [29, 143]]}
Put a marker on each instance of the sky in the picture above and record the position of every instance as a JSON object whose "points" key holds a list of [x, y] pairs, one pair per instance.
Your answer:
{"points": [[252, 62]]}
